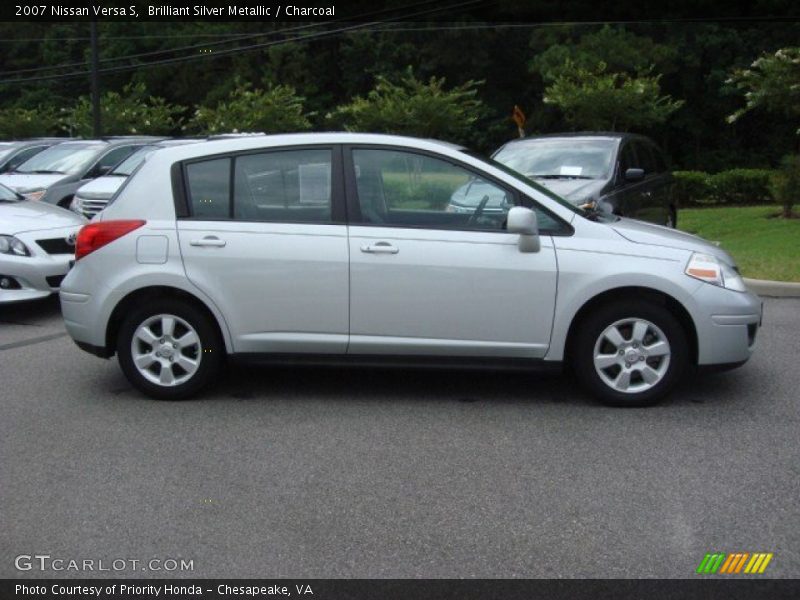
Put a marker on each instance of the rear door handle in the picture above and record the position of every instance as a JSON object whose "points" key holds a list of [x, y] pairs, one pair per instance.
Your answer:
{"points": [[380, 248], [212, 241]]}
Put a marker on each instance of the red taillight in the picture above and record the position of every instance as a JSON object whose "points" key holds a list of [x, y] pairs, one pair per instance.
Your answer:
{"points": [[96, 235]]}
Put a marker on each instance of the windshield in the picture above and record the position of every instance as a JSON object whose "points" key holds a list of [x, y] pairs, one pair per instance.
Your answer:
{"points": [[560, 158], [530, 182], [7, 195], [127, 166], [64, 158]]}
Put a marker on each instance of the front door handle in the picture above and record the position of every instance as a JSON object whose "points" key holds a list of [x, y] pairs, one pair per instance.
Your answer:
{"points": [[380, 248], [212, 241]]}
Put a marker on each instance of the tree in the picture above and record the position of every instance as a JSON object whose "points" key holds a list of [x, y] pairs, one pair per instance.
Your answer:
{"points": [[598, 100], [277, 109], [414, 107], [785, 184], [131, 112], [772, 83]]}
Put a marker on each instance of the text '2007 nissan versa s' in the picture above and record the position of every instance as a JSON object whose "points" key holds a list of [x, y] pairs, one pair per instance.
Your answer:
{"points": [[342, 247]]}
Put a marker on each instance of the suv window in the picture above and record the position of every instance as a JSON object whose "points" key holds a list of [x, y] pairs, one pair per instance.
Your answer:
{"points": [[627, 160], [406, 189], [289, 186], [646, 159], [658, 157]]}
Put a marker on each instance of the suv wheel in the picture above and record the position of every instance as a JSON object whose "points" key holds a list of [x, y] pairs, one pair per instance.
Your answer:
{"points": [[630, 353], [169, 350]]}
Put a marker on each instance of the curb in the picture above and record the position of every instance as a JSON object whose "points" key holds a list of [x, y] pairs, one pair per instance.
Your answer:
{"points": [[773, 289]]}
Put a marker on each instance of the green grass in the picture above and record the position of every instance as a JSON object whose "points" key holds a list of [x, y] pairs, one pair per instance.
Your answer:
{"points": [[763, 247]]}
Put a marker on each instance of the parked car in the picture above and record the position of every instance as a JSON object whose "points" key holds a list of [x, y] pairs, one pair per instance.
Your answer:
{"points": [[56, 173], [14, 153], [341, 247], [37, 247], [616, 173], [92, 197]]}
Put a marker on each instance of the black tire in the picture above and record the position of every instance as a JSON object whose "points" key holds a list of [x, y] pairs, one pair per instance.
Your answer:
{"points": [[672, 218], [588, 335], [209, 352]]}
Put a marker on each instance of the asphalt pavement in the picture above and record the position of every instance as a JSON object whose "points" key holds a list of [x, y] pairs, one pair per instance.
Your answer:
{"points": [[323, 472]]}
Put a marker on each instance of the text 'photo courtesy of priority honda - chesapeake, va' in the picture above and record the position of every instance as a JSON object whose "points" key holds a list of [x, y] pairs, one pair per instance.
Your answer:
{"points": [[406, 299]]}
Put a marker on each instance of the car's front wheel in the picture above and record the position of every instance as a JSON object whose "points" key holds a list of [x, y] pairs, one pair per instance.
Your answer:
{"points": [[630, 353], [169, 349]]}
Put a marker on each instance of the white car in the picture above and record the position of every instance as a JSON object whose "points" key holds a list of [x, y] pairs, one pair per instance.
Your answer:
{"points": [[93, 196], [37, 246], [340, 247]]}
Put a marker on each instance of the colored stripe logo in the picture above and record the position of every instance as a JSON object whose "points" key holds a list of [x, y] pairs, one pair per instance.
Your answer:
{"points": [[734, 563]]}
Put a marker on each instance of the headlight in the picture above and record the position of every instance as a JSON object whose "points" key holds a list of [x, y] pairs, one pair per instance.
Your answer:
{"points": [[33, 194], [11, 245], [712, 270]]}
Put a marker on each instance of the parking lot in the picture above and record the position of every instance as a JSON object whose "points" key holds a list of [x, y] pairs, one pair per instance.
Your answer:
{"points": [[371, 473]]}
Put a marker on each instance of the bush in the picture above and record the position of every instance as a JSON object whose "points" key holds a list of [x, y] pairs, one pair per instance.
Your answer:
{"points": [[742, 186], [692, 188], [413, 107], [277, 109], [734, 186], [133, 111], [19, 123]]}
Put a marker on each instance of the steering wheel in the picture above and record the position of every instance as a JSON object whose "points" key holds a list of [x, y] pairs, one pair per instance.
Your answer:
{"points": [[478, 211]]}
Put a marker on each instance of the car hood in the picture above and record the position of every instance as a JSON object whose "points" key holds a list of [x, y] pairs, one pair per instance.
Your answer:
{"points": [[576, 191], [640, 232], [31, 181], [32, 215], [102, 187]]}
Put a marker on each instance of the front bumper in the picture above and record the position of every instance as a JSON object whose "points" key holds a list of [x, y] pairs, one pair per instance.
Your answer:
{"points": [[32, 277], [727, 333]]}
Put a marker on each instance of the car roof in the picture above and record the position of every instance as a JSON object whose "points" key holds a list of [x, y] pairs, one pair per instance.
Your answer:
{"points": [[582, 135], [253, 142]]}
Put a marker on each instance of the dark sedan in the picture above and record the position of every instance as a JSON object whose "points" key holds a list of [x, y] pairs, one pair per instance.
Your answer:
{"points": [[618, 173]]}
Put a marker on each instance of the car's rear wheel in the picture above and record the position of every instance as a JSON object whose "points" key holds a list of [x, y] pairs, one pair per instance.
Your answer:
{"points": [[630, 353], [169, 349]]}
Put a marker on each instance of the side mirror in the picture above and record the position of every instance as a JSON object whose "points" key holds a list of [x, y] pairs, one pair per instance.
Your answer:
{"points": [[522, 220], [634, 174]]}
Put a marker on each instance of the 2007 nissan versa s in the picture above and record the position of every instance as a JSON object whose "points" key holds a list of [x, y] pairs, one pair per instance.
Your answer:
{"points": [[342, 247]]}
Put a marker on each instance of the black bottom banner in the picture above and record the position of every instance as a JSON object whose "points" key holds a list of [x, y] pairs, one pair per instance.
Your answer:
{"points": [[399, 589]]}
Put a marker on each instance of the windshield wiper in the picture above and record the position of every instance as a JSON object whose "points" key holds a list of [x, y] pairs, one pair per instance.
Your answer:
{"points": [[42, 172], [558, 176]]}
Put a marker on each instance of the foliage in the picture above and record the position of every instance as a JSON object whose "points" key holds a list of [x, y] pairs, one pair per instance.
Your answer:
{"points": [[733, 186], [17, 122], [598, 100], [764, 247], [742, 186], [786, 184], [692, 187], [622, 51], [131, 112], [276, 109], [414, 107], [772, 83]]}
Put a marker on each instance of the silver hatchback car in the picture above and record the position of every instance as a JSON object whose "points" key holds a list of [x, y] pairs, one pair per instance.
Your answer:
{"points": [[342, 247]]}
